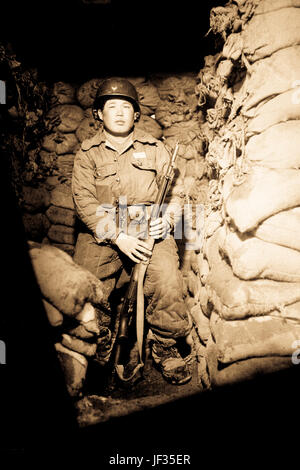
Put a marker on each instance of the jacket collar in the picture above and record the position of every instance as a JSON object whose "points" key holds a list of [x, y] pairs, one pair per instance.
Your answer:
{"points": [[99, 138]]}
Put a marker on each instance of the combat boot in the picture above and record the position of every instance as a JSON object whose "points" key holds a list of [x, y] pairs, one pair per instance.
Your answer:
{"points": [[172, 366]]}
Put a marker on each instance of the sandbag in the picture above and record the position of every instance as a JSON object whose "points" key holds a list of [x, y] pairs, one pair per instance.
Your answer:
{"points": [[80, 332], [61, 196], [62, 234], [89, 319], [282, 108], [170, 88], [66, 247], [234, 298], [222, 19], [265, 6], [282, 228], [61, 216], [60, 143], [64, 164], [67, 117], [277, 147], [201, 323], [267, 33], [255, 337], [64, 284], [169, 113], [263, 193], [185, 131], [187, 151], [212, 222], [36, 226], [270, 77], [87, 129], [149, 98], [55, 318], [74, 367], [150, 125], [86, 93], [242, 370], [78, 345], [136, 80], [35, 199], [63, 93], [252, 258]]}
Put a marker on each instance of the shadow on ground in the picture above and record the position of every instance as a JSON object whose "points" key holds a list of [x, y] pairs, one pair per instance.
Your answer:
{"points": [[106, 397]]}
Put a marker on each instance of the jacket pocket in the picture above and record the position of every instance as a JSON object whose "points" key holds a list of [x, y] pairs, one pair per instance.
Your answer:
{"points": [[103, 182], [143, 164]]}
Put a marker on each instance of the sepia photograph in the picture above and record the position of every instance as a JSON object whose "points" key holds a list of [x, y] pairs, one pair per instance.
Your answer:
{"points": [[150, 230]]}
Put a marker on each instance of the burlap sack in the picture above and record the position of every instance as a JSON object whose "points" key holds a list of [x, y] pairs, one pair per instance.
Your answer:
{"points": [[187, 151], [255, 337], [136, 80], [252, 258], [150, 125], [64, 164], [170, 88], [149, 98], [169, 113], [87, 129], [265, 6], [267, 33], [60, 143], [35, 199], [64, 284], [68, 117], [212, 222], [63, 93], [185, 131], [270, 77], [62, 234], [263, 193], [55, 318], [74, 366], [277, 147], [222, 19], [188, 135], [86, 93], [61, 216], [201, 323], [61, 196], [35, 225], [234, 298], [243, 370], [78, 345], [282, 108], [282, 228]]}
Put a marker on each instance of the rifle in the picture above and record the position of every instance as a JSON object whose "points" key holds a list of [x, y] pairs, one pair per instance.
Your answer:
{"points": [[134, 297]]}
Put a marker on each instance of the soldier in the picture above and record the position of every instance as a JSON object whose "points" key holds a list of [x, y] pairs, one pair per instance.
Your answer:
{"points": [[122, 163]]}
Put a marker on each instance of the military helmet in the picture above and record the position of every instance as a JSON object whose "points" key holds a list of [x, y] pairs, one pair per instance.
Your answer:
{"points": [[115, 87]]}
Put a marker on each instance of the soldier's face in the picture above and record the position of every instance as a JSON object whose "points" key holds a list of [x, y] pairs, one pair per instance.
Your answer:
{"points": [[118, 116]]}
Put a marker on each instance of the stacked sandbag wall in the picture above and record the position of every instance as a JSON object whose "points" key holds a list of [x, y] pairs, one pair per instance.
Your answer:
{"points": [[74, 303], [251, 248]]}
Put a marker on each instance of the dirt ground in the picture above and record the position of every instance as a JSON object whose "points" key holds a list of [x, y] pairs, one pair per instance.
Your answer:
{"points": [[106, 397]]}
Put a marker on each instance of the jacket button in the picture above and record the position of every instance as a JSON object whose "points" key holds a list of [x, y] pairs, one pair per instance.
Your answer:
{"points": [[118, 179]]}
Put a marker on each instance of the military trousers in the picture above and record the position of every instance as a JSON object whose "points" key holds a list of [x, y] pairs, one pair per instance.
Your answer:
{"points": [[166, 311]]}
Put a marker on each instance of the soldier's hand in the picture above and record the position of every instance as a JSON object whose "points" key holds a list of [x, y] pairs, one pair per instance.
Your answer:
{"points": [[135, 249], [158, 228]]}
